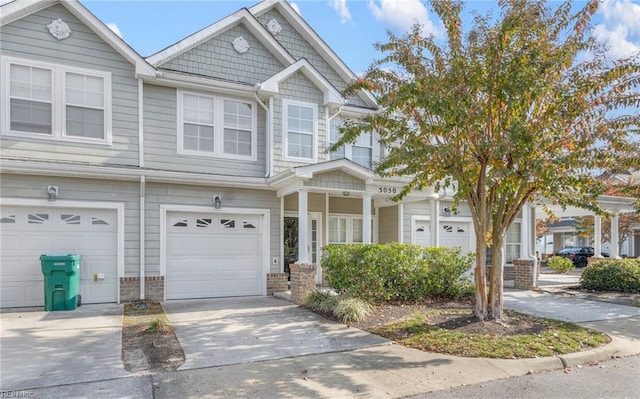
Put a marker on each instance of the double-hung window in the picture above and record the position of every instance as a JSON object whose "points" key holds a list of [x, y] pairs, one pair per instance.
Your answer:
{"points": [[216, 126], [360, 152], [512, 243], [54, 101], [300, 125]]}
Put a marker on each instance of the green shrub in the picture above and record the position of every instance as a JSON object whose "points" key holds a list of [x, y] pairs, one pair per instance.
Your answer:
{"points": [[351, 310], [612, 275], [560, 264], [396, 272]]}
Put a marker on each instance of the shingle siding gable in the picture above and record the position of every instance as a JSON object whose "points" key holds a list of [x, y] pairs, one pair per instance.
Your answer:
{"points": [[216, 58], [299, 48]]}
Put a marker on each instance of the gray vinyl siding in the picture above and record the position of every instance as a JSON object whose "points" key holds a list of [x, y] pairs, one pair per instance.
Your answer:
{"points": [[161, 139], [336, 180], [299, 48], [216, 58], [172, 194], [388, 224], [297, 88], [29, 38], [422, 208], [73, 189]]}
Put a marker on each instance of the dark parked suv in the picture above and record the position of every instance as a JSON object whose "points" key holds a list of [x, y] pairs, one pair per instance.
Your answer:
{"points": [[578, 255]]}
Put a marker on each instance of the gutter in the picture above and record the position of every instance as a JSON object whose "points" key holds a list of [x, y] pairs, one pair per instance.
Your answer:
{"points": [[268, 152]]}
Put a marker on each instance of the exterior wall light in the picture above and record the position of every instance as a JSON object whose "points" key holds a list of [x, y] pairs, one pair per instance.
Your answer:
{"points": [[52, 192], [217, 201]]}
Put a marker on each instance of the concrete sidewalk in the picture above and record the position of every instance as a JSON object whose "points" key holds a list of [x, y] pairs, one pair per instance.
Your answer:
{"points": [[384, 371]]}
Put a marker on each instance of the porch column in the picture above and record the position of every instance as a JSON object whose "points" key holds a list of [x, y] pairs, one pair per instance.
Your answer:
{"points": [[614, 236], [366, 218], [303, 246], [597, 236], [524, 232], [435, 221]]}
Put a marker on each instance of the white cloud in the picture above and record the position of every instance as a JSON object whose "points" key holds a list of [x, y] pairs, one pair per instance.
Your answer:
{"points": [[402, 14], [295, 7], [620, 27], [342, 9], [114, 28]]}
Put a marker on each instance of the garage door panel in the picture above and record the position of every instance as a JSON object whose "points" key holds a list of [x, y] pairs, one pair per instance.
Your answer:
{"points": [[211, 255], [36, 231]]}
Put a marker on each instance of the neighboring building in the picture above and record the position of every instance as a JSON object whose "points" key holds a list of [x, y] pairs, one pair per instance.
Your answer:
{"points": [[194, 172]]}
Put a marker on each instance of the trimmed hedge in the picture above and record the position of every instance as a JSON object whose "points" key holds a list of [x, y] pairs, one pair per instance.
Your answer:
{"points": [[560, 264], [397, 272], [612, 275]]}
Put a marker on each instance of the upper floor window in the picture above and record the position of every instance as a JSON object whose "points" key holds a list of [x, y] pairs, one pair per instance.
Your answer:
{"points": [[300, 123], [360, 152], [55, 101], [215, 126]]}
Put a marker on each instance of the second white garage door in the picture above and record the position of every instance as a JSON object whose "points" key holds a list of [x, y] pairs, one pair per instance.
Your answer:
{"points": [[214, 255], [452, 234]]}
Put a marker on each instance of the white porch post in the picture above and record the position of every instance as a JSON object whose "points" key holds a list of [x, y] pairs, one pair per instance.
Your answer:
{"points": [[614, 236], [435, 221], [597, 236], [524, 232], [366, 218], [303, 247]]}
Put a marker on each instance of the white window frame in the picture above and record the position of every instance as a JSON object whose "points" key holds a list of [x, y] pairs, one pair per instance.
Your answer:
{"points": [[517, 227], [348, 148], [218, 126], [58, 101], [285, 130], [349, 225]]}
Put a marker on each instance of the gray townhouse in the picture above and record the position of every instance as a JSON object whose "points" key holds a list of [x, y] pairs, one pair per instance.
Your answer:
{"points": [[197, 172]]}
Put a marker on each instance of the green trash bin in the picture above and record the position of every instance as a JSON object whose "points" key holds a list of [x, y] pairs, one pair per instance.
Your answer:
{"points": [[61, 281]]}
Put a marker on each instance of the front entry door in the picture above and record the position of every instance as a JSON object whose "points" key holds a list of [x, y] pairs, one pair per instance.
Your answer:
{"points": [[314, 240]]}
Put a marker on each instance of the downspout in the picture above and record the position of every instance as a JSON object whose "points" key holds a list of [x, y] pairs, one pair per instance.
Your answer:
{"points": [[329, 119], [142, 186], [142, 237], [268, 154]]}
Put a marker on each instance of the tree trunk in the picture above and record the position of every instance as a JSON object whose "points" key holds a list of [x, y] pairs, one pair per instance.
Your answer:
{"points": [[496, 288], [481, 278]]}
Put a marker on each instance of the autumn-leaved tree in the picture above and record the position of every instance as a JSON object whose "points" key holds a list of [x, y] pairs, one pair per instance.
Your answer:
{"points": [[503, 111]]}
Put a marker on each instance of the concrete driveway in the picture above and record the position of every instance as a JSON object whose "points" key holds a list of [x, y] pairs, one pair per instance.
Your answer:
{"points": [[217, 332], [40, 349]]}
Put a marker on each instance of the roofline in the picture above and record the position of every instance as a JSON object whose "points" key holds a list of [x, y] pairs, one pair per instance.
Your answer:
{"points": [[195, 39], [16, 10], [310, 35]]}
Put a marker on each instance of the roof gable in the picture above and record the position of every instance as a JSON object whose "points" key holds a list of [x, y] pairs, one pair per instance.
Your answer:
{"points": [[242, 16], [271, 86], [314, 40], [16, 10]]}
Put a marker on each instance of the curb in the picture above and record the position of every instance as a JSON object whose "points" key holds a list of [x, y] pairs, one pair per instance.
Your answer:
{"points": [[618, 347]]}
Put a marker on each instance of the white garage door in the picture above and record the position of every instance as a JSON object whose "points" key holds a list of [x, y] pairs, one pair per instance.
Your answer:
{"points": [[28, 232], [452, 234], [213, 255]]}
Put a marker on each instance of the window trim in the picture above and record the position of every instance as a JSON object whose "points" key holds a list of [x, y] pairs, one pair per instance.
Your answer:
{"points": [[285, 130], [349, 226], [348, 147], [58, 101], [218, 126], [513, 243]]}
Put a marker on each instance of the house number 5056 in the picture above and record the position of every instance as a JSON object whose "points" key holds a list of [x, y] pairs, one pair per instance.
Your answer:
{"points": [[388, 190]]}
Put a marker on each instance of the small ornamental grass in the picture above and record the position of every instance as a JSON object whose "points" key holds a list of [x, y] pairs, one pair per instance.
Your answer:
{"points": [[560, 264], [159, 325], [345, 309]]}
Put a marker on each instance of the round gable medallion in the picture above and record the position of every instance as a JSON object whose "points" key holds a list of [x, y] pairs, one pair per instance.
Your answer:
{"points": [[241, 45], [274, 27], [59, 29]]}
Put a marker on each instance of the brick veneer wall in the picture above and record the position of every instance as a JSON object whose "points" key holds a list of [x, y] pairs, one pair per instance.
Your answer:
{"points": [[277, 282], [130, 289], [524, 274], [508, 272], [303, 281]]}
